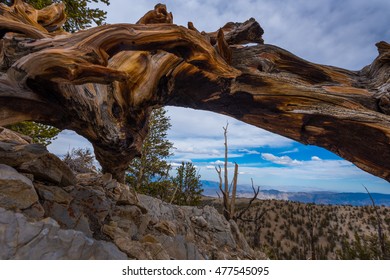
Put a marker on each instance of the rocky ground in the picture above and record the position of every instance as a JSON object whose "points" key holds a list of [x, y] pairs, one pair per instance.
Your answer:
{"points": [[48, 212]]}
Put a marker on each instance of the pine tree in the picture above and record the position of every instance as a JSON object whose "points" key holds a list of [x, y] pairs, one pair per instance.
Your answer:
{"points": [[187, 185], [80, 160], [39, 133], [79, 15], [149, 174]]}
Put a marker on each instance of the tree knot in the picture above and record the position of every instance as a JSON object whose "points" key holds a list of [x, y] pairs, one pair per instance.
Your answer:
{"points": [[384, 103]]}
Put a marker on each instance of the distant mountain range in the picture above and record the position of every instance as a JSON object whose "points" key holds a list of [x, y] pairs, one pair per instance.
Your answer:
{"points": [[333, 198]]}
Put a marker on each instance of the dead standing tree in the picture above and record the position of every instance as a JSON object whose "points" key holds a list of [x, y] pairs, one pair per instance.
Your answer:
{"points": [[229, 193], [103, 83]]}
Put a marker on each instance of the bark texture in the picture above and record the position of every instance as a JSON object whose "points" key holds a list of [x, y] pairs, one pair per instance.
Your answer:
{"points": [[103, 83]]}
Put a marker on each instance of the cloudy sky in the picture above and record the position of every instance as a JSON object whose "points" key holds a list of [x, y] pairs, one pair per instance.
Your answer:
{"points": [[339, 33]]}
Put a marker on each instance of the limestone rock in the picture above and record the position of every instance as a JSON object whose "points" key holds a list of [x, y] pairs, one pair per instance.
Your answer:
{"points": [[195, 233], [147, 249], [166, 227], [33, 159], [16, 154], [82, 208], [21, 239], [199, 221], [242, 243], [178, 247], [49, 168], [10, 136], [53, 193], [131, 219], [34, 212], [149, 239], [16, 190], [93, 202]]}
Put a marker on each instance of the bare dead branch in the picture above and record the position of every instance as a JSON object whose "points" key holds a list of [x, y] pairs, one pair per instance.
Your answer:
{"points": [[254, 197]]}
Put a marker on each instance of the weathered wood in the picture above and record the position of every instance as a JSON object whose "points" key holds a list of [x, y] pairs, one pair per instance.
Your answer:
{"points": [[103, 83], [158, 15]]}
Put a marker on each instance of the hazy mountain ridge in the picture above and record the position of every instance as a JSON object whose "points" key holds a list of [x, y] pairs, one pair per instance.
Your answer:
{"points": [[333, 198]]}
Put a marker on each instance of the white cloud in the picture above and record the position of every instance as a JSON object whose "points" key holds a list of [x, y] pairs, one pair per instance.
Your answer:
{"points": [[66, 141], [199, 134], [283, 160], [331, 175], [315, 158], [320, 173], [249, 152], [220, 163], [217, 162], [295, 150]]}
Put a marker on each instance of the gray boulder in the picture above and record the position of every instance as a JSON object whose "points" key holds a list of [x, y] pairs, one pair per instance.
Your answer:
{"points": [[44, 240], [10, 136], [17, 151], [49, 168], [16, 190]]}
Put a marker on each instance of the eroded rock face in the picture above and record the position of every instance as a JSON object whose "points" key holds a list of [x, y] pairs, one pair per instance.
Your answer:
{"points": [[92, 216], [195, 233], [33, 159], [45, 240], [48, 167]]}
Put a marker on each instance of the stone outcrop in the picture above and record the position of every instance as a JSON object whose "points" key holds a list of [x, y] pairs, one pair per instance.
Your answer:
{"points": [[47, 212], [33, 159], [23, 239]]}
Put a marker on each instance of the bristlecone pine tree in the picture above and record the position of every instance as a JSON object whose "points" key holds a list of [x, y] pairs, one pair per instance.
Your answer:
{"points": [[104, 81], [79, 16], [187, 185], [149, 173]]}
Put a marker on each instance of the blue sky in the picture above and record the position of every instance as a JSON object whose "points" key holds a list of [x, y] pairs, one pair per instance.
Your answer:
{"points": [[339, 33]]}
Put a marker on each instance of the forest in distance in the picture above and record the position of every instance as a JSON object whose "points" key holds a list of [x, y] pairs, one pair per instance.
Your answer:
{"points": [[288, 230]]}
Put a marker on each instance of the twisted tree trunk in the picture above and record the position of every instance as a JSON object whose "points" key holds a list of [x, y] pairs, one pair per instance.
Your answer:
{"points": [[103, 83]]}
